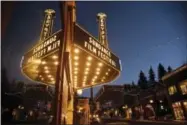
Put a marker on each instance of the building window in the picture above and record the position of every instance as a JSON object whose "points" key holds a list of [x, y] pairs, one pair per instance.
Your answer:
{"points": [[172, 90], [179, 114], [183, 87]]}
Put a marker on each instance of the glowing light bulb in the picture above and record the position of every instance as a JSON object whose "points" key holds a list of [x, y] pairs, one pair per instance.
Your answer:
{"points": [[43, 62], [76, 50], [100, 64], [56, 62], [89, 58], [76, 58], [54, 57]]}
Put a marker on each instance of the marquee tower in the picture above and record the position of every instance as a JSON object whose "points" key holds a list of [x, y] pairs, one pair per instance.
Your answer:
{"points": [[101, 18], [47, 24]]}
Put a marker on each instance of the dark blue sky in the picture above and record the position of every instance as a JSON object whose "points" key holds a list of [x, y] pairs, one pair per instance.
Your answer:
{"points": [[142, 34]]}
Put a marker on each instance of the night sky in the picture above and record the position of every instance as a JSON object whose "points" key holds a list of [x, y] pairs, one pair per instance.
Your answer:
{"points": [[142, 34]]}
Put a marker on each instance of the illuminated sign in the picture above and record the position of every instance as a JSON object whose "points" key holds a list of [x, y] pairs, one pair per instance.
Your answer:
{"points": [[43, 49], [102, 29], [90, 44], [48, 23]]}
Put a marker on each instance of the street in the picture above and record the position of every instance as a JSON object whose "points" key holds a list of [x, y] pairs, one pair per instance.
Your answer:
{"points": [[142, 122]]}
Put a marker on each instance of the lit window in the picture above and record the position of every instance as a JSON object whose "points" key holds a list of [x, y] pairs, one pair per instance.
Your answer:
{"points": [[183, 87], [172, 90]]}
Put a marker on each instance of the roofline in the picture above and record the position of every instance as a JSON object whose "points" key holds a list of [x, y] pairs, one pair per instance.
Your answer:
{"points": [[183, 67]]}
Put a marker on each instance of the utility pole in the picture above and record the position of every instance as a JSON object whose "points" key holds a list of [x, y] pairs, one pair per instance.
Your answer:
{"points": [[67, 23]]}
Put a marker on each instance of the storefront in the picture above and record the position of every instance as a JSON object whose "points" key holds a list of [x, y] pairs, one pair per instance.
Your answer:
{"points": [[178, 111], [176, 83]]}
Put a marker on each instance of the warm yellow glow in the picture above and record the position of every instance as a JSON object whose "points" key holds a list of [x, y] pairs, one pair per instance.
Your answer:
{"points": [[93, 80], [36, 71], [85, 77], [97, 72], [46, 67], [76, 50], [37, 61], [54, 57], [52, 79], [43, 62], [86, 72], [75, 84], [79, 91], [75, 72], [89, 58], [100, 64], [103, 77], [83, 83], [75, 68], [106, 73], [88, 63], [98, 69], [102, 80], [42, 78], [76, 63], [109, 70], [87, 69], [75, 76], [56, 62], [49, 76], [95, 77], [46, 71], [76, 58], [53, 82]]}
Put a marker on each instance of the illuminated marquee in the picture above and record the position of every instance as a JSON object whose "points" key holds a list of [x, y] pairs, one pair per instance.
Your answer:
{"points": [[42, 49], [89, 43]]}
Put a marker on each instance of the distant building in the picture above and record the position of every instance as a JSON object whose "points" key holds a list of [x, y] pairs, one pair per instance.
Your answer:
{"points": [[148, 103], [176, 83], [82, 108], [37, 95], [110, 96]]}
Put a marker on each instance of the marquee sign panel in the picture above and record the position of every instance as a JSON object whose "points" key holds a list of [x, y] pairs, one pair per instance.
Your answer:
{"points": [[93, 64], [40, 63]]}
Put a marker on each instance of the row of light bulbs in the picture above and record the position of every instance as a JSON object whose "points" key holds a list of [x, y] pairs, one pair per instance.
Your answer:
{"points": [[46, 69], [87, 69]]}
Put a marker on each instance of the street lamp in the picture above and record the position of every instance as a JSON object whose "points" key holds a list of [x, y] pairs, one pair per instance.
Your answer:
{"points": [[151, 101]]}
